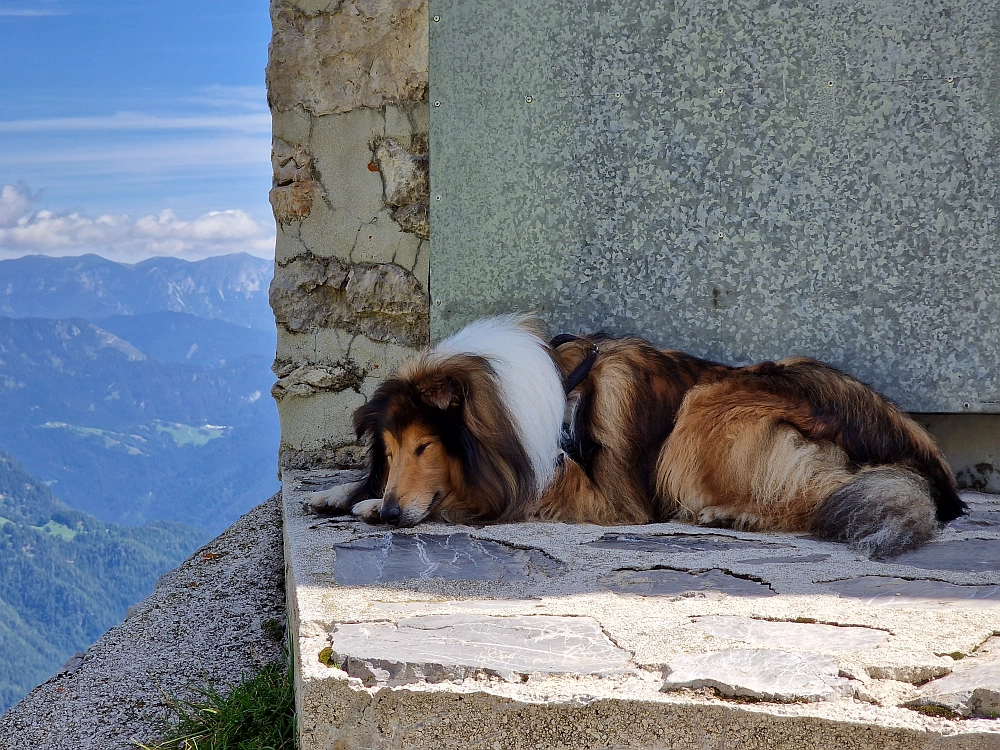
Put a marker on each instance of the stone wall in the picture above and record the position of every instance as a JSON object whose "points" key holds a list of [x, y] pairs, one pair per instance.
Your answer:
{"points": [[347, 86]]}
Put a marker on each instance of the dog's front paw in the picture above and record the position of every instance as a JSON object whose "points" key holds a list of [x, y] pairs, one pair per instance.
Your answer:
{"points": [[368, 510], [335, 501], [715, 517]]}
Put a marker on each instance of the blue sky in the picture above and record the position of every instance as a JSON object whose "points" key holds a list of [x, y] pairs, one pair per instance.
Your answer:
{"points": [[134, 128]]}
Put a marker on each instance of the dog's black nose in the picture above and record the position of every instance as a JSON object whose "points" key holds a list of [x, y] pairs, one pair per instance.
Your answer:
{"points": [[390, 512]]}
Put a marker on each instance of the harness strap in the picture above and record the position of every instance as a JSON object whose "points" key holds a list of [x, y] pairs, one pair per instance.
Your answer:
{"points": [[581, 370]]}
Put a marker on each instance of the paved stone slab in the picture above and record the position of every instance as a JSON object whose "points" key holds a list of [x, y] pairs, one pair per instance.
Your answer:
{"points": [[453, 647], [668, 582], [973, 687], [977, 520], [433, 597], [451, 557], [924, 594], [763, 674], [677, 543], [965, 554], [797, 635]]}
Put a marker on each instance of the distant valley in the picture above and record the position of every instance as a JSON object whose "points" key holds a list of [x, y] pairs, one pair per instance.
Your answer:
{"points": [[136, 422], [157, 414], [67, 577]]}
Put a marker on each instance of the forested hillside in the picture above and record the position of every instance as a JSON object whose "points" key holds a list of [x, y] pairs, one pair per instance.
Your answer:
{"points": [[66, 577], [130, 438]]}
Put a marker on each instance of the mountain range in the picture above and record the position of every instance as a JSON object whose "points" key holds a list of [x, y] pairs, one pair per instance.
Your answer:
{"points": [[135, 423], [155, 414], [227, 287]]}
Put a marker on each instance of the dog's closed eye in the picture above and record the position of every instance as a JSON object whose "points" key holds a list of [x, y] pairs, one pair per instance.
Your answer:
{"points": [[420, 449]]}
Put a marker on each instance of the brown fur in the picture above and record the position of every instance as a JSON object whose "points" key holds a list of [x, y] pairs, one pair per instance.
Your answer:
{"points": [[662, 434], [793, 445]]}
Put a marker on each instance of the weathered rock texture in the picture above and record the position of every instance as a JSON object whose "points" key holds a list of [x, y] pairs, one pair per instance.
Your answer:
{"points": [[217, 617], [347, 84], [571, 636]]}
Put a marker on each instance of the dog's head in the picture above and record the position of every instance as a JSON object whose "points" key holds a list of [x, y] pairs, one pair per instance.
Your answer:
{"points": [[414, 427], [442, 445]]}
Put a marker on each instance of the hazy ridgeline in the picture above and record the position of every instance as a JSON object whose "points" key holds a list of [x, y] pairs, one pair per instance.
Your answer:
{"points": [[135, 394]]}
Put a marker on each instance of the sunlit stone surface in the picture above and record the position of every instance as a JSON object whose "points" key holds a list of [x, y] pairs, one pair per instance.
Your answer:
{"points": [[973, 688], [762, 674], [808, 636], [453, 647], [452, 557]]}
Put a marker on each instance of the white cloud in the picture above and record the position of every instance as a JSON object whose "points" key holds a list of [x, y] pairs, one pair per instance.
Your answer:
{"points": [[14, 203], [121, 238], [258, 122]]}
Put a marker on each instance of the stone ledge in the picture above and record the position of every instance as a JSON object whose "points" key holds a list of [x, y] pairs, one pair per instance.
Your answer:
{"points": [[681, 637]]}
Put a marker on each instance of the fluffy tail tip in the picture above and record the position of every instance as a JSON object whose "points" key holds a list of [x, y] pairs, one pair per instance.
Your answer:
{"points": [[881, 512]]}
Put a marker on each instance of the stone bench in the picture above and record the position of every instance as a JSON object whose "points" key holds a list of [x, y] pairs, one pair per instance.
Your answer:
{"points": [[544, 635]]}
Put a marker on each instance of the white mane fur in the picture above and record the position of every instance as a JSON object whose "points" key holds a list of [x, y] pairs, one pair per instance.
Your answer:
{"points": [[530, 385]]}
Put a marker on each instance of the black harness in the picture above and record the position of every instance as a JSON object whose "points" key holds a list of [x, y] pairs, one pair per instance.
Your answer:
{"points": [[582, 370]]}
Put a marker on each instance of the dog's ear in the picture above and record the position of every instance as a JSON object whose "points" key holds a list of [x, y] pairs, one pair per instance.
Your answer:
{"points": [[366, 420], [443, 393]]}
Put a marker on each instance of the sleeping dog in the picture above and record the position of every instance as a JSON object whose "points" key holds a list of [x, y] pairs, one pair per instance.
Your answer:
{"points": [[498, 424]]}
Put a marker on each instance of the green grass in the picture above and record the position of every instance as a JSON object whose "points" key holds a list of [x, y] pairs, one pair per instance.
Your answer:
{"points": [[259, 714], [57, 529]]}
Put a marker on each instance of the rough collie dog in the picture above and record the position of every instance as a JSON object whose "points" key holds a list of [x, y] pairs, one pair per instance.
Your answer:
{"points": [[479, 429]]}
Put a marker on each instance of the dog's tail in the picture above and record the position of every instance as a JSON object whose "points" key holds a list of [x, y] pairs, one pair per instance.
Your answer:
{"points": [[869, 427], [881, 511]]}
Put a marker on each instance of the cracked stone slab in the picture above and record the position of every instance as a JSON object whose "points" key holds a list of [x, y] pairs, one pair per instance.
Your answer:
{"points": [[798, 635], [921, 594], [677, 543], [669, 582], [452, 647], [777, 676], [963, 554], [972, 688], [453, 557], [552, 570]]}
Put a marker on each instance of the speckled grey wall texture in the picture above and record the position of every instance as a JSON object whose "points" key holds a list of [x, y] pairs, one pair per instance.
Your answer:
{"points": [[742, 180]]}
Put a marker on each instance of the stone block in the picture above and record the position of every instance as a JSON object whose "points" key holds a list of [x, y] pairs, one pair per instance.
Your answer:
{"points": [[291, 125], [341, 145], [667, 582], [799, 635], [320, 421], [345, 55], [773, 676], [450, 557], [293, 185], [972, 688], [383, 301], [436, 648], [454, 637]]}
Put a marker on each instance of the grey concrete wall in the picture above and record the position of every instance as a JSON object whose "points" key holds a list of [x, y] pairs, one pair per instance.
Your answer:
{"points": [[743, 180], [347, 85]]}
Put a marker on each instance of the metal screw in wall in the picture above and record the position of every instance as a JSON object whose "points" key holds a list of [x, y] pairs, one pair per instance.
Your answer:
{"points": [[437, 104], [829, 83], [437, 197], [528, 99], [437, 19]]}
